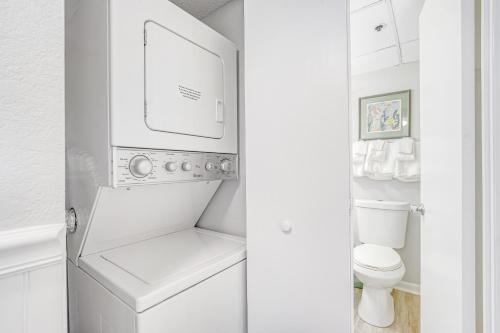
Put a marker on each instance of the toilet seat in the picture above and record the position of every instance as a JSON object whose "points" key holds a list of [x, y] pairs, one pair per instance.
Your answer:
{"points": [[377, 257]]}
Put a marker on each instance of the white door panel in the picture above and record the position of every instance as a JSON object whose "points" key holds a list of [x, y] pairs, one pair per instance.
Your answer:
{"points": [[447, 131], [184, 89], [298, 236]]}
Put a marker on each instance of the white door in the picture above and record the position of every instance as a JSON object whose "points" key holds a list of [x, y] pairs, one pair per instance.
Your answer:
{"points": [[447, 132], [184, 90], [298, 237]]}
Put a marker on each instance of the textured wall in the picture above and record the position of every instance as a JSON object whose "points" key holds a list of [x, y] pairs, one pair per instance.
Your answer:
{"points": [[226, 211], [32, 112], [387, 80]]}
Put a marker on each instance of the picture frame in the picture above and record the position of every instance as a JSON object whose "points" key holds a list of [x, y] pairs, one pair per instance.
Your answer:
{"points": [[385, 116]]}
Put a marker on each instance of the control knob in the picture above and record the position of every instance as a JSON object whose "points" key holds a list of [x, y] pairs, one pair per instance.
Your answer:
{"points": [[140, 166], [210, 166], [226, 165], [187, 166], [171, 166]]}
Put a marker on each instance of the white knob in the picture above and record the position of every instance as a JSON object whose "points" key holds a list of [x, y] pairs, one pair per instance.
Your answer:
{"points": [[186, 166], [209, 166], [171, 166], [226, 165], [140, 166], [286, 226]]}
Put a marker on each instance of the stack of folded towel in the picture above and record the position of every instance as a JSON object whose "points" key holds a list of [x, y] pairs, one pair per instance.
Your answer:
{"points": [[380, 159], [407, 167], [359, 149], [386, 160]]}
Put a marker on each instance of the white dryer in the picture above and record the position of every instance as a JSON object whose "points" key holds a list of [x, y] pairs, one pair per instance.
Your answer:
{"points": [[151, 131]]}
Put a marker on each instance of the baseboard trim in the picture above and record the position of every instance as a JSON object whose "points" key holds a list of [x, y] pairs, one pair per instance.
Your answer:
{"points": [[408, 287]]}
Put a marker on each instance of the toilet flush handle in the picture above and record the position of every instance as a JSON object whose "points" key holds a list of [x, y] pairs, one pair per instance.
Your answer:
{"points": [[418, 209]]}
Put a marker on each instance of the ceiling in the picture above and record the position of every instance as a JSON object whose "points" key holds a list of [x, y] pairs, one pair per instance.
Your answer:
{"points": [[395, 44], [200, 8], [397, 41]]}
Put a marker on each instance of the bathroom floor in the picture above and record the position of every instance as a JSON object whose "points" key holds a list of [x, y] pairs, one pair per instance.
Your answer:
{"points": [[407, 307]]}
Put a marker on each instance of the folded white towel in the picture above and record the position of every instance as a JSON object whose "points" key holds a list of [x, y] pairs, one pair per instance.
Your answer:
{"points": [[406, 149], [359, 149], [379, 164], [406, 146], [377, 155], [409, 170], [378, 144], [377, 150]]}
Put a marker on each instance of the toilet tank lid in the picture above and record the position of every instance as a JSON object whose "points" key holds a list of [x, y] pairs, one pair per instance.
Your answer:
{"points": [[382, 204]]}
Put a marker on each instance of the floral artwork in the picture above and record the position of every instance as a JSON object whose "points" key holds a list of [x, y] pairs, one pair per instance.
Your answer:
{"points": [[383, 116]]}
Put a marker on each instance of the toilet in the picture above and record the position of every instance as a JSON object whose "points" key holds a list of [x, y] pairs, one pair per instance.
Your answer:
{"points": [[381, 229]]}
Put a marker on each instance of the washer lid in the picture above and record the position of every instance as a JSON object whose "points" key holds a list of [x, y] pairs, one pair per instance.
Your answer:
{"points": [[376, 257], [146, 273]]}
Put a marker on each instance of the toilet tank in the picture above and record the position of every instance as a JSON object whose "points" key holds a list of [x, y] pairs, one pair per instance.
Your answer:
{"points": [[382, 222]]}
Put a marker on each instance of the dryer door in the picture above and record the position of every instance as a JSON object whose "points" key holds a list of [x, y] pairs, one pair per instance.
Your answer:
{"points": [[184, 85]]}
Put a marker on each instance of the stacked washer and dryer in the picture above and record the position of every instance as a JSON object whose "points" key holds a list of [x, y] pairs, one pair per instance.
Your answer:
{"points": [[151, 129]]}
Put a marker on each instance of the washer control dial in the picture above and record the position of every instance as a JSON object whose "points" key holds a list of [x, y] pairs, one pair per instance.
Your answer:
{"points": [[187, 166], [140, 166], [226, 165], [171, 166], [210, 166]]}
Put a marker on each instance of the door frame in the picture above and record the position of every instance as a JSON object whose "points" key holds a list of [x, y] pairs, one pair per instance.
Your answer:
{"points": [[490, 63]]}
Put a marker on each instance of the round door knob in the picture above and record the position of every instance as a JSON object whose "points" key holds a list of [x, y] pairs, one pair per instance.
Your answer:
{"points": [[187, 166], [171, 166], [286, 226], [226, 165], [210, 166], [140, 166]]}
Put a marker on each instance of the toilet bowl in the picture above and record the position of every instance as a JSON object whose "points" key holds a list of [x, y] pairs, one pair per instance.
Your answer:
{"points": [[381, 229], [379, 268]]}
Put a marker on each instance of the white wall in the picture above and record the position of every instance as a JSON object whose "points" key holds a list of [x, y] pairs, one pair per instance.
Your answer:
{"points": [[388, 80], [226, 211], [32, 233], [32, 113]]}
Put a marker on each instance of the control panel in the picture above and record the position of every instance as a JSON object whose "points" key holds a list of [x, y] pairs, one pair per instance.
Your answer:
{"points": [[145, 166]]}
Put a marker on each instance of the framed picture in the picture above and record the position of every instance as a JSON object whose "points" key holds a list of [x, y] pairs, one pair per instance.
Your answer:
{"points": [[385, 116]]}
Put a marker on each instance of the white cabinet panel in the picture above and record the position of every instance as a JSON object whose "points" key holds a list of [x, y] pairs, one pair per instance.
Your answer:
{"points": [[296, 91]]}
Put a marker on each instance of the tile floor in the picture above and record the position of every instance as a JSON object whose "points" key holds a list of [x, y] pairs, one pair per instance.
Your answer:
{"points": [[407, 307]]}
